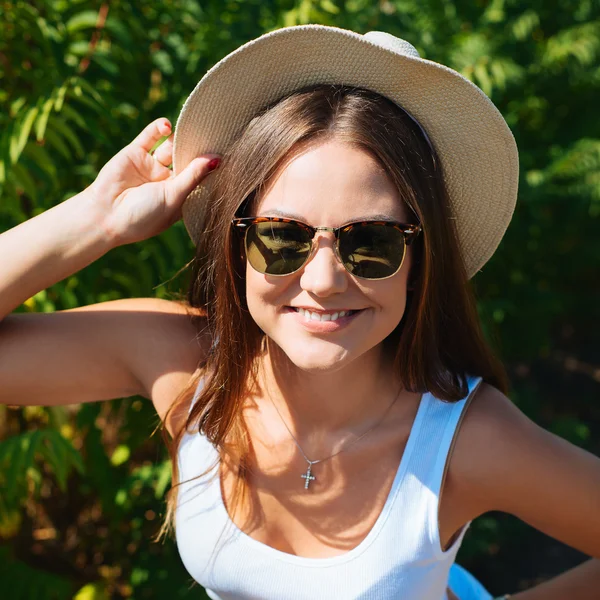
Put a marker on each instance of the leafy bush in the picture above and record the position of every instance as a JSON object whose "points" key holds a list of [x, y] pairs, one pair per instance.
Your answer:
{"points": [[82, 486]]}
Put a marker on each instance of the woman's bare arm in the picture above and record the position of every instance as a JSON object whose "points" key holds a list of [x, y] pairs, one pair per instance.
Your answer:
{"points": [[47, 248], [113, 349], [134, 197], [580, 583], [505, 462], [138, 346]]}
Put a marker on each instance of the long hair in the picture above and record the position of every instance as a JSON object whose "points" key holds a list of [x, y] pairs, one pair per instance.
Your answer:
{"points": [[439, 340]]}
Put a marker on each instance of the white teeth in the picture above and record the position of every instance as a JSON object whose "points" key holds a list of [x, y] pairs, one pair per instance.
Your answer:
{"points": [[311, 316]]}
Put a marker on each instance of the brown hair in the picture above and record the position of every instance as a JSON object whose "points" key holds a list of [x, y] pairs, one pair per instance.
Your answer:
{"points": [[439, 340]]}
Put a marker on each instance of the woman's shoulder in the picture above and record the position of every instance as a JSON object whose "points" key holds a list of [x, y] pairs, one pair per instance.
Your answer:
{"points": [[486, 449], [506, 462], [172, 347]]}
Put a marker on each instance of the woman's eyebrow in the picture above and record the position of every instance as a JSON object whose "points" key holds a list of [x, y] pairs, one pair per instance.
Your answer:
{"points": [[274, 212]]}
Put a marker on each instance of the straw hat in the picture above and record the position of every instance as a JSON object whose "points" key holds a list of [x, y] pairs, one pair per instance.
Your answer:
{"points": [[474, 144]]}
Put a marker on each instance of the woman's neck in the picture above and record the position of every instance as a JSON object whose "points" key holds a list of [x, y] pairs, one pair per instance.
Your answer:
{"points": [[323, 406]]}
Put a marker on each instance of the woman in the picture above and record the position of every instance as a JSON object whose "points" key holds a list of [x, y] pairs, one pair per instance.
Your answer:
{"points": [[329, 368]]}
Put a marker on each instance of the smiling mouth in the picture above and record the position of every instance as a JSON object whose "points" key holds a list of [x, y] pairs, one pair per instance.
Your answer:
{"points": [[330, 316]]}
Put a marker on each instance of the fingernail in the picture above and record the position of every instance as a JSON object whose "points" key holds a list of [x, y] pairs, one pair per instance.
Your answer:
{"points": [[213, 164]]}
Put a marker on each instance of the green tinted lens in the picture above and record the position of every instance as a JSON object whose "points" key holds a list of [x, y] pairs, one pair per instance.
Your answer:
{"points": [[372, 251], [277, 248]]}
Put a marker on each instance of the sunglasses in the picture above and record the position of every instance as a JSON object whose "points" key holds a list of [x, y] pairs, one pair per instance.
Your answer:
{"points": [[367, 249]]}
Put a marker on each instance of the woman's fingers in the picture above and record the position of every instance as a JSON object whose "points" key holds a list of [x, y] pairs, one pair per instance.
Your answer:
{"points": [[179, 187], [152, 133], [164, 153]]}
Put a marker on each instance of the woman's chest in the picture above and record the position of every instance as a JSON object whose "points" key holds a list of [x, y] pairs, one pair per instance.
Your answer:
{"points": [[328, 517], [338, 509]]}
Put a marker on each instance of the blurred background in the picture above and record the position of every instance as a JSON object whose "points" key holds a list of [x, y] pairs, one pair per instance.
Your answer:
{"points": [[81, 487]]}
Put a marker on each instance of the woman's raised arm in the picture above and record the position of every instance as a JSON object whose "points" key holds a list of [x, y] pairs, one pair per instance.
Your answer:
{"points": [[134, 197], [107, 350]]}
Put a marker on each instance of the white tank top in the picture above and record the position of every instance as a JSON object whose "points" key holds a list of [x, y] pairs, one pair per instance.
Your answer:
{"points": [[401, 556]]}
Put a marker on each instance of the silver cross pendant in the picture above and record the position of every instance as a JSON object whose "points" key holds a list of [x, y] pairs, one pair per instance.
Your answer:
{"points": [[307, 477]]}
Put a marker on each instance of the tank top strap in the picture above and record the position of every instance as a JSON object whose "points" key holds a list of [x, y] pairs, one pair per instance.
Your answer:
{"points": [[196, 395], [427, 463], [434, 438], [195, 451]]}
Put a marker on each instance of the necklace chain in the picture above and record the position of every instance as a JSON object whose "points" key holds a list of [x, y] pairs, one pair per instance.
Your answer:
{"points": [[308, 476]]}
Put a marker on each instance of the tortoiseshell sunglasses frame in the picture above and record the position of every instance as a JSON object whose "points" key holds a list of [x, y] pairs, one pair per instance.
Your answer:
{"points": [[409, 231]]}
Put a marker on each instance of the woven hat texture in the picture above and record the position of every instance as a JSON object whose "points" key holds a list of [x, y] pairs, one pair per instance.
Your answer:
{"points": [[475, 146]]}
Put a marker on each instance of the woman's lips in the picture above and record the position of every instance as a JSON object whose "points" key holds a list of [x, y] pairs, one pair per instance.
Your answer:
{"points": [[322, 326]]}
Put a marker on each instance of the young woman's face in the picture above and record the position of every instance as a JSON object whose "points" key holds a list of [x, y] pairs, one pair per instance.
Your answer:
{"points": [[329, 185]]}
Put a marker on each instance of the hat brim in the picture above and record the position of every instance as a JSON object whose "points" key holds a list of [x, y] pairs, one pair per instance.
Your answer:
{"points": [[475, 146]]}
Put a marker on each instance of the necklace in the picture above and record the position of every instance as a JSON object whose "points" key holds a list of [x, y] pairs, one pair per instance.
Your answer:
{"points": [[308, 476]]}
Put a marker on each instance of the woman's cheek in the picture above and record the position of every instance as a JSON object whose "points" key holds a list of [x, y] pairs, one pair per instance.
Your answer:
{"points": [[262, 298]]}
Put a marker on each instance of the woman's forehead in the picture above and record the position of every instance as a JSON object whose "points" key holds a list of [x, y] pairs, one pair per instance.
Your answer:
{"points": [[334, 181]]}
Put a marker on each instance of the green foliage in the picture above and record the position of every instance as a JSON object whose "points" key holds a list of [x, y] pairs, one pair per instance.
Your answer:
{"points": [[20, 453], [82, 488], [25, 582]]}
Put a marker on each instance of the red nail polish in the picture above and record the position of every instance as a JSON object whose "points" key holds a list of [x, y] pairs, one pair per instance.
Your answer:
{"points": [[213, 164]]}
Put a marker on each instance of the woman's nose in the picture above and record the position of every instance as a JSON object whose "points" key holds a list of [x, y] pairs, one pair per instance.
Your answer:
{"points": [[324, 275]]}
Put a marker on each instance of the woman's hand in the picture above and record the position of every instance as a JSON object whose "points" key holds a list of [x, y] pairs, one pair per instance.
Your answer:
{"points": [[136, 193]]}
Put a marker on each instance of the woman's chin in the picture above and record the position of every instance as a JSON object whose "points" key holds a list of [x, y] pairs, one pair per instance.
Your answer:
{"points": [[317, 359], [319, 368]]}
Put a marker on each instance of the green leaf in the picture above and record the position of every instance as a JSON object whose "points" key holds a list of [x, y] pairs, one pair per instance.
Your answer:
{"points": [[139, 575], [109, 65], [58, 143], [72, 115], [163, 62], [55, 456], [483, 78], [119, 30], [494, 13], [72, 455], [34, 444], [83, 20], [61, 126], [42, 120], [89, 102], [42, 159], [164, 478], [525, 24], [60, 96], [85, 85], [24, 180], [16, 106], [78, 49], [19, 453], [49, 33], [121, 497], [21, 134], [330, 7], [10, 518], [120, 455]]}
